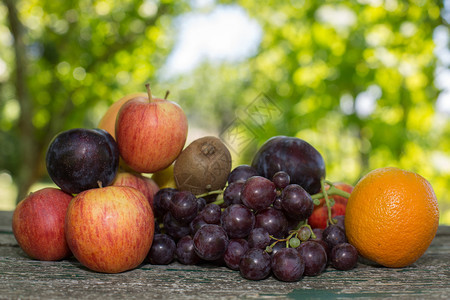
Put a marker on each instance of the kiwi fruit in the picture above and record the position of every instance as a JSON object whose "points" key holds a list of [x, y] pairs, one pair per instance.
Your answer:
{"points": [[203, 166]]}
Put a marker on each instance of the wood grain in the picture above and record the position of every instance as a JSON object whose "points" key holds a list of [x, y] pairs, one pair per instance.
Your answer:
{"points": [[24, 278]]}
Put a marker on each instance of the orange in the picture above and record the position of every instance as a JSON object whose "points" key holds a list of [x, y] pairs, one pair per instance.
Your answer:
{"points": [[392, 216]]}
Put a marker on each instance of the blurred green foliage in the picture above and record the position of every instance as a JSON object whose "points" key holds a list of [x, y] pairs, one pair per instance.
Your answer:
{"points": [[67, 62], [353, 78], [361, 90]]}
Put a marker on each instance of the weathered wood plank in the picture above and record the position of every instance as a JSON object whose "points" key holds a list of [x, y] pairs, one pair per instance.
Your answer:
{"points": [[22, 277]]}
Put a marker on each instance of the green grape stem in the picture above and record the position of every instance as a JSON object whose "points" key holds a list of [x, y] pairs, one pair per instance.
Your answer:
{"points": [[292, 234], [330, 192], [312, 232], [216, 192], [327, 201], [219, 200]]}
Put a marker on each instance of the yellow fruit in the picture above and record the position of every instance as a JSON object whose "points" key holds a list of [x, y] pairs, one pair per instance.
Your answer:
{"points": [[165, 178], [392, 216]]}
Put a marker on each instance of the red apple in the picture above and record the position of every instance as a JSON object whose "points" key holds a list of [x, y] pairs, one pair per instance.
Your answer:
{"points": [[319, 217], [150, 133], [145, 185], [38, 224], [108, 121], [110, 229]]}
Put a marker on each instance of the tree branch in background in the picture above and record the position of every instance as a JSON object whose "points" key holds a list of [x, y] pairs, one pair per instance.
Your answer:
{"points": [[27, 174]]}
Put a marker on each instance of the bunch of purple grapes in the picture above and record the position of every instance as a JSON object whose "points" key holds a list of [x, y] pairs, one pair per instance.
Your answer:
{"points": [[260, 228]]}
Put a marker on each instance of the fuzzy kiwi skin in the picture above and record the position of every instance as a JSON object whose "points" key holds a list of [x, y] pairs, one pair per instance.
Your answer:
{"points": [[203, 166]]}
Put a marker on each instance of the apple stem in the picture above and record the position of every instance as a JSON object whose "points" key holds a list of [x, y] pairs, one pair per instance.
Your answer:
{"points": [[167, 95], [100, 184], [149, 92]]}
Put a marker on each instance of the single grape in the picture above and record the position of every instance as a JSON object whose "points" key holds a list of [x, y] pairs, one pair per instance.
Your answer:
{"points": [[237, 220], [196, 224], [210, 242], [304, 233], [296, 202], [318, 233], [162, 250], [162, 200], [232, 193], [344, 257], [201, 202], [258, 193], [241, 173], [281, 179], [277, 202], [211, 213], [185, 251], [184, 206], [273, 221], [255, 264], [340, 221], [325, 246], [174, 228], [288, 265], [258, 238], [315, 257], [235, 250], [334, 235], [294, 242]]}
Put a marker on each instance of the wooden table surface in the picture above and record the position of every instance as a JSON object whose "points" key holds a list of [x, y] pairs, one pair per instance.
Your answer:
{"points": [[24, 278]]}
